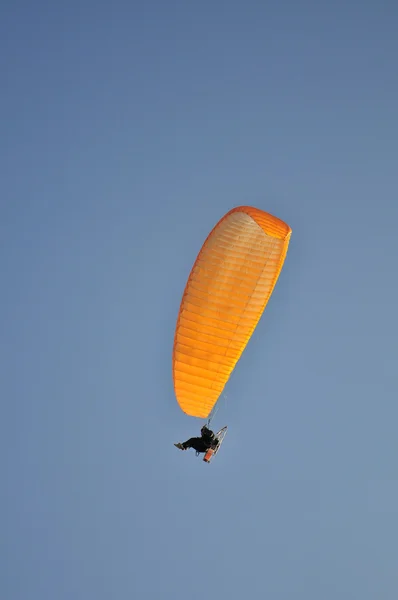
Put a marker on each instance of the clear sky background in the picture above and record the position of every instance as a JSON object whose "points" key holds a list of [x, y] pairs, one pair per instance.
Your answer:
{"points": [[127, 130]]}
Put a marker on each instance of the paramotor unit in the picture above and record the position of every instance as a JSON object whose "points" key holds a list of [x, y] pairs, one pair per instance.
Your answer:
{"points": [[220, 435]]}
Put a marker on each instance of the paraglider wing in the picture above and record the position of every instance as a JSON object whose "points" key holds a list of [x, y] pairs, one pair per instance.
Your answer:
{"points": [[228, 288]]}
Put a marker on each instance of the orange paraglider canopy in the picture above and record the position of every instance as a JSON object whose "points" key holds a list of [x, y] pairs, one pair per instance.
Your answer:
{"points": [[228, 288]]}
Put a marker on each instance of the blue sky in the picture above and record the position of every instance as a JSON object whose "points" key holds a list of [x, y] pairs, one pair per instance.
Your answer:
{"points": [[128, 129]]}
